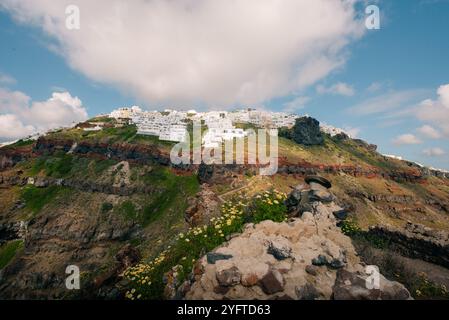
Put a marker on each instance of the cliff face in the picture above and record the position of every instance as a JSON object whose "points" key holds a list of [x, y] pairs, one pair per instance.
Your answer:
{"points": [[122, 151], [417, 241]]}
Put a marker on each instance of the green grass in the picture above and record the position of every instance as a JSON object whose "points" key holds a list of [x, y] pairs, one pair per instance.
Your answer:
{"points": [[111, 135], [151, 140], [56, 166], [22, 143], [8, 251], [37, 198], [59, 167], [62, 165], [176, 189], [128, 210], [173, 190], [102, 165]]}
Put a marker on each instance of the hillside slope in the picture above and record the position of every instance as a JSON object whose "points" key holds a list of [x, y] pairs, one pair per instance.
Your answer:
{"points": [[104, 200]]}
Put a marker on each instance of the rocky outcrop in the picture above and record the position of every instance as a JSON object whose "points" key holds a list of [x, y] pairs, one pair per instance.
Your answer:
{"points": [[416, 241], [304, 258], [12, 231], [121, 189], [9, 157], [67, 235], [389, 198], [306, 131], [202, 207], [143, 154], [302, 198]]}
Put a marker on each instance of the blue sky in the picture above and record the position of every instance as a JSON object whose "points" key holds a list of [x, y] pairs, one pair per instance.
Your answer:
{"points": [[388, 73]]}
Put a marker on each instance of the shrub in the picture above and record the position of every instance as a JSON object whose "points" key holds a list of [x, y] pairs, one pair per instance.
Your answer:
{"points": [[106, 206], [269, 206], [8, 251], [423, 288], [349, 227]]}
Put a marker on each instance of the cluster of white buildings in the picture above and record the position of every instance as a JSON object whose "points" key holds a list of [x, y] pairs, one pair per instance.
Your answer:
{"points": [[333, 131], [263, 118], [171, 125]]}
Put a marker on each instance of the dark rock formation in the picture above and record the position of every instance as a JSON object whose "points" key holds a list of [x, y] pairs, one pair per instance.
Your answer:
{"points": [[416, 241], [143, 154], [303, 196], [213, 257], [306, 131], [12, 231], [272, 282]]}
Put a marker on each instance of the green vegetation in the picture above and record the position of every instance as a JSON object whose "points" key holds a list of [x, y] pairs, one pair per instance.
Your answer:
{"points": [[267, 207], [37, 198], [121, 134], [8, 251], [57, 166], [424, 289], [172, 192], [22, 143], [419, 285], [349, 227], [151, 140], [175, 189], [106, 207], [102, 165], [61, 165], [128, 210], [106, 135], [146, 279]]}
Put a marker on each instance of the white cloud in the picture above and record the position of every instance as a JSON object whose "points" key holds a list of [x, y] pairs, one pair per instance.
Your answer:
{"points": [[406, 139], [6, 79], [339, 88], [436, 112], [388, 103], [20, 117], [192, 51], [434, 152], [11, 127], [374, 87], [296, 104], [429, 132], [353, 132]]}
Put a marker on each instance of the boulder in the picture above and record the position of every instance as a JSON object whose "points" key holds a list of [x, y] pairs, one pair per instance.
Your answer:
{"points": [[316, 181], [353, 286], [280, 249], [320, 260], [272, 282], [213, 257], [307, 292], [229, 277], [341, 214], [321, 196], [312, 269]]}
